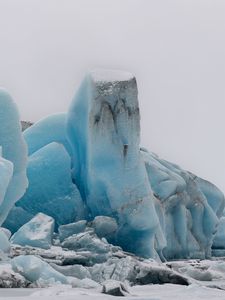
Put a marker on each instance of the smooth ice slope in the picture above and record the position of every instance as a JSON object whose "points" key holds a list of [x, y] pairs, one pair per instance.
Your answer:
{"points": [[104, 132], [51, 190], [6, 173], [14, 150], [36, 233], [189, 208], [47, 130]]}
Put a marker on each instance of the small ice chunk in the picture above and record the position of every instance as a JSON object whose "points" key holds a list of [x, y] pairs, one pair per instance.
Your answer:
{"points": [[34, 270], [114, 288], [36, 233], [73, 228], [105, 226]]}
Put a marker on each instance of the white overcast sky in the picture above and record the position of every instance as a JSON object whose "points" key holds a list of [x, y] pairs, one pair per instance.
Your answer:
{"points": [[176, 49]]}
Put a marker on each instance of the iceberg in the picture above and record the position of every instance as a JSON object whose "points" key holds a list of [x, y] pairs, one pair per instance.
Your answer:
{"points": [[86, 170], [51, 190], [38, 232], [13, 181], [103, 128]]}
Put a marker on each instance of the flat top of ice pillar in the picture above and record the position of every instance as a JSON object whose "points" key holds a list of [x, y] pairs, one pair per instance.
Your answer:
{"points": [[107, 75]]}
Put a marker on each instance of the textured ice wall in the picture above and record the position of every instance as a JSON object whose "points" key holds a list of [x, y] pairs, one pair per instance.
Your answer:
{"points": [[219, 239], [14, 150], [104, 132], [190, 207]]}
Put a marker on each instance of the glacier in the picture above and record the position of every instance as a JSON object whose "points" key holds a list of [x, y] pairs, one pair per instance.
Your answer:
{"points": [[98, 206], [13, 181], [161, 210]]}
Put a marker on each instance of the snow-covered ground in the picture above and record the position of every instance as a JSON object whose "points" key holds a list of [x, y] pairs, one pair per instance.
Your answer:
{"points": [[150, 292], [207, 277]]}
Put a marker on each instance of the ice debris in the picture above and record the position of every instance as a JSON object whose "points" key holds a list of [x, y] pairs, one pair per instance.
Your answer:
{"points": [[36, 270], [114, 288], [36, 233]]}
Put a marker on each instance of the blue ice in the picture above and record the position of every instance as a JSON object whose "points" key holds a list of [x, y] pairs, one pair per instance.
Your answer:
{"points": [[13, 181], [51, 190], [104, 132], [38, 232], [49, 129]]}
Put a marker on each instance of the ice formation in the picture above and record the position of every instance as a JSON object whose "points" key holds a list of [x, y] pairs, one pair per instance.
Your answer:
{"points": [[37, 232], [104, 132], [47, 130], [87, 172], [51, 190], [189, 208], [13, 180]]}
